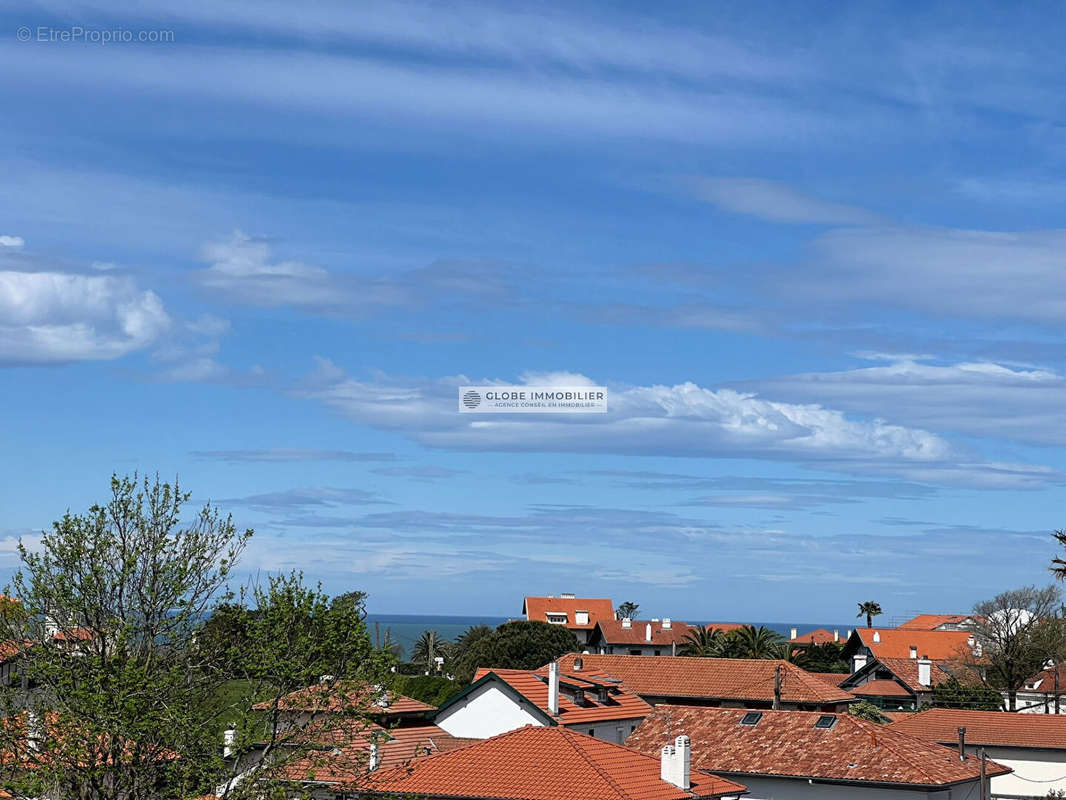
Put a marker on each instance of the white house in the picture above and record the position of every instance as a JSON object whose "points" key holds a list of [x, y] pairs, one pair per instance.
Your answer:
{"points": [[1034, 746], [504, 699], [804, 755]]}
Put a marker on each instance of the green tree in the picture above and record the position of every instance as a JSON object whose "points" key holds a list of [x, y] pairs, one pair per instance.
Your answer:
{"points": [[975, 696], [1016, 632], [124, 688], [517, 645], [864, 709], [869, 609], [826, 657], [703, 643], [627, 610], [751, 642], [428, 649]]}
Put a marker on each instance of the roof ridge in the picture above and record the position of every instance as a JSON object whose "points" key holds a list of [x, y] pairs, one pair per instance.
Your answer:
{"points": [[888, 743], [570, 737]]}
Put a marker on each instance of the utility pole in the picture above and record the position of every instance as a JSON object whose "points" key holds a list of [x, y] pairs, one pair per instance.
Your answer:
{"points": [[984, 783], [777, 687]]}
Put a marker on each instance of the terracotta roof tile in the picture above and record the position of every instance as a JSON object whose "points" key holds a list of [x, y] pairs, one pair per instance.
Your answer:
{"points": [[533, 686], [337, 697], [787, 743], [537, 609], [881, 688], [896, 643], [832, 678], [930, 622], [612, 632], [535, 763], [986, 727], [819, 636], [725, 678]]}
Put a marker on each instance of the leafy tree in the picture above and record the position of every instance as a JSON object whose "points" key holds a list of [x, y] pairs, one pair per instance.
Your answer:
{"points": [[751, 642], [432, 689], [702, 642], [953, 693], [428, 649], [869, 609], [517, 645], [825, 657], [627, 610], [864, 709], [124, 688], [469, 638], [1016, 633]]}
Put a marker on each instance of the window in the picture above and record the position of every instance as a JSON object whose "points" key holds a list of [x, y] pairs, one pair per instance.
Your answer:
{"points": [[751, 718], [581, 617], [556, 619], [634, 652], [592, 732], [826, 721], [658, 652]]}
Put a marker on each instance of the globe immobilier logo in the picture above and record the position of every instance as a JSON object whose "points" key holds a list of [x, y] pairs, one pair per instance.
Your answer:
{"points": [[533, 399]]}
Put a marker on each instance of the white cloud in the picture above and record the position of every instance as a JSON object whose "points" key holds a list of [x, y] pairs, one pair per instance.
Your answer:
{"points": [[12, 241], [774, 201], [976, 398], [59, 316], [680, 420]]}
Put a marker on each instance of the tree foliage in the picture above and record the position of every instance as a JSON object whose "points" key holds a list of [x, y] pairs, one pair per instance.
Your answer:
{"points": [[517, 645], [864, 709], [869, 609], [627, 610], [953, 693], [744, 642], [123, 686]]}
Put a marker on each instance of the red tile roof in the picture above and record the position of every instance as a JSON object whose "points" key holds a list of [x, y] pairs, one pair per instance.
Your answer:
{"points": [[725, 627], [881, 688], [930, 622], [896, 643], [349, 761], [532, 685], [338, 697], [1044, 681], [832, 678], [535, 763], [725, 678], [987, 727], [819, 636], [537, 608], [906, 669], [786, 743], [612, 632]]}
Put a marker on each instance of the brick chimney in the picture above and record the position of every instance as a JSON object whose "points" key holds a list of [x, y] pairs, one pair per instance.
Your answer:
{"points": [[676, 765], [553, 688]]}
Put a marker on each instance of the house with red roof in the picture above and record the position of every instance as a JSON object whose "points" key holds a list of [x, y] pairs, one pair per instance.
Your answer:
{"points": [[902, 684], [1033, 745], [817, 636], [499, 700], [383, 706], [730, 682], [1044, 693], [865, 644], [579, 614], [782, 755], [939, 622], [552, 763], [638, 637]]}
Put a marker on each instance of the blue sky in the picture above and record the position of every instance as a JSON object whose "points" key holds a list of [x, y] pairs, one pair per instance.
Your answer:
{"points": [[816, 252]]}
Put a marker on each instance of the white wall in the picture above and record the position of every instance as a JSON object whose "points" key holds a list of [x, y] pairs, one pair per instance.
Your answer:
{"points": [[616, 730], [786, 789], [486, 711], [1036, 765]]}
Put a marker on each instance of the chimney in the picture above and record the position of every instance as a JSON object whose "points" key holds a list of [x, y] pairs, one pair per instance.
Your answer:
{"points": [[858, 661], [925, 671], [566, 595], [627, 622], [667, 624], [836, 636], [229, 742], [914, 651], [793, 633], [962, 744], [877, 637], [677, 763], [647, 632], [375, 757], [579, 664], [553, 688]]}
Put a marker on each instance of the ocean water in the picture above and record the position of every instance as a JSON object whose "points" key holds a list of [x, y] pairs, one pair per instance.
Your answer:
{"points": [[406, 628]]}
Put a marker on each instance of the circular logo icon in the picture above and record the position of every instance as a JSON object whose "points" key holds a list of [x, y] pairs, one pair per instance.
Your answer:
{"points": [[471, 399]]}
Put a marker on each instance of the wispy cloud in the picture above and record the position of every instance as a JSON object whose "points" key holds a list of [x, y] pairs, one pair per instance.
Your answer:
{"points": [[774, 201], [285, 455], [294, 499]]}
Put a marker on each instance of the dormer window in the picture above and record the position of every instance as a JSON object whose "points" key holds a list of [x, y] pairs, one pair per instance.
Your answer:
{"points": [[579, 697], [581, 617], [556, 617]]}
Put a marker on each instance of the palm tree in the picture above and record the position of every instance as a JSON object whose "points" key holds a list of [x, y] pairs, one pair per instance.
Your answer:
{"points": [[428, 647], [752, 642], [468, 638], [869, 609], [702, 642], [628, 610]]}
